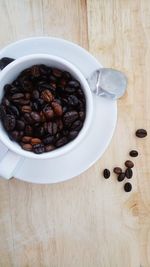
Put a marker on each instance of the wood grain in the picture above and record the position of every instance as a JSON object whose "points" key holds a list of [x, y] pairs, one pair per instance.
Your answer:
{"points": [[87, 221]]}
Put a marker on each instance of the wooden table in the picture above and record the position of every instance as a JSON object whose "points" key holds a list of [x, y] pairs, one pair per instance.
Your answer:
{"points": [[87, 221]]}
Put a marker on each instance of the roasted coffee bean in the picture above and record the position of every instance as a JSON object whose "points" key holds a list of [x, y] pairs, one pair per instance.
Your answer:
{"points": [[26, 139], [69, 117], [121, 177], [14, 135], [26, 109], [20, 125], [49, 148], [27, 96], [35, 94], [5, 102], [9, 122], [28, 118], [74, 84], [5, 61], [35, 106], [35, 141], [22, 102], [43, 118], [48, 140], [133, 153], [52, 128], [106, 173], [59, 124], [7, 88], [117, 170], [141, 133], [28, 130], [35, 71], [48, 112], [129, 164], [72, 135], [27, 147], [129, 173], [14, 110], [61, 142], [70, 89], [17, 96], [57, 73], [62, 83], [39, 148], [57, 108], [47, 96], [77, 125], [2, 112], [57, 137], [66, 75], [39, 131], [73, 100], [127, 187], [35, 116]]}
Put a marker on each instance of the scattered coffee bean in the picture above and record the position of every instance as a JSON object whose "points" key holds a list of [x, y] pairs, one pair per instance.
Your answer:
{"points": [[129, 164], [106, 173], [133, 153], [117, 170], [43, 108], [141, 133], [127, 187], [129, 173], [121, 177]]}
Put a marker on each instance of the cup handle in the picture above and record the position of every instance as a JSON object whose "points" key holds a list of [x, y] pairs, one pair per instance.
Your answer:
{"points": [[8, 164]]}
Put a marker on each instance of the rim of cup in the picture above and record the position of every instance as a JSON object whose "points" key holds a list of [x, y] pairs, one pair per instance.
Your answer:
{"points": [[10, 73]]}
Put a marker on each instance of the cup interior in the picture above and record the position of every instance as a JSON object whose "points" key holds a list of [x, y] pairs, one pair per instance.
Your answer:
{"points": [[11, 72]]}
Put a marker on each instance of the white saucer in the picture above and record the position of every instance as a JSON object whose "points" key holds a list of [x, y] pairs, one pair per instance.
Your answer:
{"points": [[102, 128]]}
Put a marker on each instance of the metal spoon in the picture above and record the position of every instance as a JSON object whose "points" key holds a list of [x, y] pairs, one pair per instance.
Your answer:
{"points": [[108, 83]]}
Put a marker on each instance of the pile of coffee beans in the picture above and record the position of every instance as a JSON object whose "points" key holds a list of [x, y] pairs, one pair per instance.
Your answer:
{"points": [[128, 172], [43, 108]]}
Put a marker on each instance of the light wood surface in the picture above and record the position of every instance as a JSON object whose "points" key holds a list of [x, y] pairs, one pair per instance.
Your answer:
{"points": [[87, 221]]}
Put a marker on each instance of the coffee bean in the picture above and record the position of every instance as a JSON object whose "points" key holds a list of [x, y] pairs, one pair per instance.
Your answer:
{"points": [[28, 130], [35, 106], [14, 110], [77, 125], [26, 139], [129, 173], [48, 112], [59, 124], [43, 118], [35, 71], [20, 125], [5, 61], [38, 148], [82, 115], [26, 109], [106, 173], [27, 147], [17, 96], [14, 135], [28, 118], [47, 96], [66, 75], [27, 96], [133, 153], [61, 142], [73, 100], [117, 170], [49, 148], [35, 141], [35, 94], [121, 177], [141, 133], [74, 83], [2, 112], [129, 164], [57, 73], [70, 117], [35, 116], [5, 102], [73, 135], [70, 89], [22, 102], [48, 140], [39, 131], [57, 108], [9, 122], [127, 187]]}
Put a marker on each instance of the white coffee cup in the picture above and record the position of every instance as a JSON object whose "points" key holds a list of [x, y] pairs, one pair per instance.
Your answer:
{"points": [[15, 153]]}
